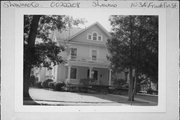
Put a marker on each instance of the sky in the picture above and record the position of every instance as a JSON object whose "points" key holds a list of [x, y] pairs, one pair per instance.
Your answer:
{"points": [[92, 17]]}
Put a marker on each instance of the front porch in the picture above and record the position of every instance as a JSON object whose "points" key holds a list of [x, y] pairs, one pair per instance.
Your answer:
{"points": [[101, 76]]}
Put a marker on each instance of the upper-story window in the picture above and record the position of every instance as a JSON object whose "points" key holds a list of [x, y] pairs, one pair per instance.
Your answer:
{"points": [[94, 54], [94, 36], [73, 53]]}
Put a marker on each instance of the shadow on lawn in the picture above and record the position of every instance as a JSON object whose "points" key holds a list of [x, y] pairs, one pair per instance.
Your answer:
{"points": [[116, 98]]}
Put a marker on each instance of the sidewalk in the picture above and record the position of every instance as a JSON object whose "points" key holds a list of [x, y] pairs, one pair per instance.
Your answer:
{"points": [[48, 97]]}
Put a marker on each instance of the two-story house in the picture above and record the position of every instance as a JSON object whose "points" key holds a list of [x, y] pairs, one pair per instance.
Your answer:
{"points": [[85, 54]]}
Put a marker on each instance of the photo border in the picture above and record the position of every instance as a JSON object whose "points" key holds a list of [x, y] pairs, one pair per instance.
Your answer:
{"points": [[19, 107]]}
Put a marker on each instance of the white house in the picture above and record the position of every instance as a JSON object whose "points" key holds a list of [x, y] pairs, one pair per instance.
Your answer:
{"points": [[85, 54]]}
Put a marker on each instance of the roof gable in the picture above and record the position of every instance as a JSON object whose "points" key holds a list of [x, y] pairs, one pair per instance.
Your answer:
{"points": [[95, 24], [66, 34], [82, 36]]}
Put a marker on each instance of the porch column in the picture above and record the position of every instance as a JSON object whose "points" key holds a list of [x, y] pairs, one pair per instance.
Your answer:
{"points": [[110, 70], [90, 72], [69, 73], [55, 69]]}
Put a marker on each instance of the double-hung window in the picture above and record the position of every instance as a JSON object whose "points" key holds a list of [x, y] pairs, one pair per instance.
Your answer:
{"points": [[94, 54], [94, 36], [73, 53], [73, 73], [89, 37], [99, 38]]}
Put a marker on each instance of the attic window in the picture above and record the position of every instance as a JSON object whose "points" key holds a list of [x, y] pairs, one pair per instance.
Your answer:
{"points": [[94, 36], [89, 37], [99, 37]]}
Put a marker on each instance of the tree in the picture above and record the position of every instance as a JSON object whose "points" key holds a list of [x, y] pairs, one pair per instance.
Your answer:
{"points": [[134, 46], [39, 48]]}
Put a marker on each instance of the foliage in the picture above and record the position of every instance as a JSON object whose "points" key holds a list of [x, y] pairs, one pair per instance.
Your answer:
{"points": [[86, 81], [58, 86], [38, 84], [134, 44], [39, 48], [119, 82], [45, 51], [51, 85], [45, 83], [33, 80]]}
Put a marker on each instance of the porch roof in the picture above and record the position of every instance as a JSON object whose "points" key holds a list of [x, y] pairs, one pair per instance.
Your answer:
{"points": [[89, 64]]}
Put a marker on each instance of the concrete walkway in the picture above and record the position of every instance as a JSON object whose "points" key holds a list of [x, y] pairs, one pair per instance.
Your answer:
{"points": [[48, 97]]}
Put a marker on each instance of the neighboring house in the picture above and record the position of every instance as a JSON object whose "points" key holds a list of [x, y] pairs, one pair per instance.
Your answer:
{"points": [[85, 54]]}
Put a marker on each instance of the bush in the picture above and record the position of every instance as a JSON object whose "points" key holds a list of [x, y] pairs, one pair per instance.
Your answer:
{"points": [[38, 84], [86, 81], [125, 86], [51, 85], [33, 80], [58, 86], [149, 91], [120, 83], [45, 83]]}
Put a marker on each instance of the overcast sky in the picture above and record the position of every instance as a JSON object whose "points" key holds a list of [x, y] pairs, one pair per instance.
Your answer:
{"points": [[93, 16]]}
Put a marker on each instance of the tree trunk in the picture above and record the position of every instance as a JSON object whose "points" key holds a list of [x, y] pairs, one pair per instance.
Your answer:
{"points": [[28, 56], [130, 92], [26, 82], [135, 83]]}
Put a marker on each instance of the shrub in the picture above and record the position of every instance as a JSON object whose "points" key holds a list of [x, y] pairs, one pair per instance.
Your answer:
{"points": [[51, 85], [86, 81], [58, 86], [125, 86], [120, 83], [38, 84], [150, 91], [33, 80], [45, 83]]}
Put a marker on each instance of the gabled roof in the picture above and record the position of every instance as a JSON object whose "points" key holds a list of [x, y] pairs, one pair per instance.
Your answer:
{"points": [[64, 35], [75, 31], [98, 24]]}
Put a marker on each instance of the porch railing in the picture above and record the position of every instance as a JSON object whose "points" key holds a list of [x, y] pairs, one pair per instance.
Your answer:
{"points": [[89, 60]]}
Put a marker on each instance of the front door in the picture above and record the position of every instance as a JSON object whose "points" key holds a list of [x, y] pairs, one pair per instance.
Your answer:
{"points": [[94, 74]]}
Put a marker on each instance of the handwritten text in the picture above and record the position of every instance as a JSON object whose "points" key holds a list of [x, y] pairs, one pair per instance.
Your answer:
{"points": [[154, 5], [105, 5], [21, 4], [65, 4]]}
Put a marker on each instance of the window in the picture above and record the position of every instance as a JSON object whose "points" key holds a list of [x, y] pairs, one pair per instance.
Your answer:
{"points": [[73, 53], [89, 37], [99, 38], [73, 73], [94, 36], [94, 54]]}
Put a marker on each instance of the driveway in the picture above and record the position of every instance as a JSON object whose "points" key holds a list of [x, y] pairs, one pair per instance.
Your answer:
{"points": [[48, 97]]}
